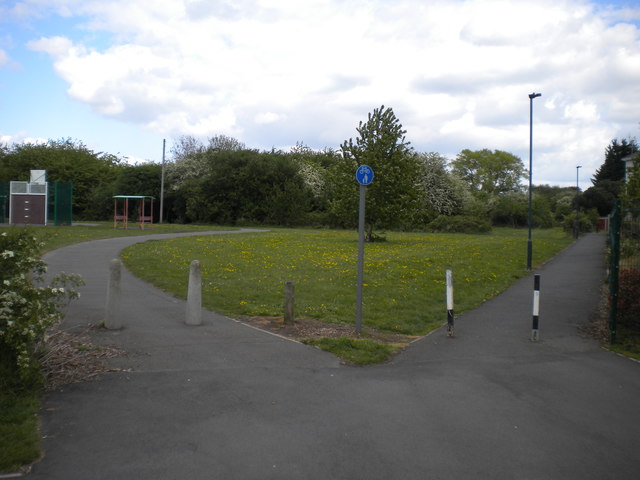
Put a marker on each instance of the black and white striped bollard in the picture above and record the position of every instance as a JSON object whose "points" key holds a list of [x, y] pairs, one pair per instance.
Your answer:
{"points": [[535, 334], [449, 304]]}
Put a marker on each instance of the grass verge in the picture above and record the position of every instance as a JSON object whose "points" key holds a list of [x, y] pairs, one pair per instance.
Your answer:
{"points": [[627, 344], [19, 439], [356, 351]]}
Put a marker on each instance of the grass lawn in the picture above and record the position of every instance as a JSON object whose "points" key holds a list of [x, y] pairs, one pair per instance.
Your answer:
{"points": [[404, 281]]}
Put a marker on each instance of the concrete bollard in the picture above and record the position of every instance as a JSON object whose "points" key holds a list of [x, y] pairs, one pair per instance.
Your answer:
{"points": [[112, 315], [194, 295], [289, 301]]}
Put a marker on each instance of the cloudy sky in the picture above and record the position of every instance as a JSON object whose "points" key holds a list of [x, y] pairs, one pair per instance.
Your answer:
{"points": [[121, 75]]}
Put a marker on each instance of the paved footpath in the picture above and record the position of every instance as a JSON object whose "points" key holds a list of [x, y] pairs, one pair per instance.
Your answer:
{"points": [[226, 401]]}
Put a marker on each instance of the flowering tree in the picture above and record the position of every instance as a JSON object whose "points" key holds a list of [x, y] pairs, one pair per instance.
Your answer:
{"points": [[28, 306]]}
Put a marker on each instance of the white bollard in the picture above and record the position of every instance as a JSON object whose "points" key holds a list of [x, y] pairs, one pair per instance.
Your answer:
{"points": [[194, 295], [535, 328], [450, 317], [112, 315]]}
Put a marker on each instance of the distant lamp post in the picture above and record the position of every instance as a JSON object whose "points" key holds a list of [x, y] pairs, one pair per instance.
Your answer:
{"points": [[576, 223], [164, 143], [530, 222]]}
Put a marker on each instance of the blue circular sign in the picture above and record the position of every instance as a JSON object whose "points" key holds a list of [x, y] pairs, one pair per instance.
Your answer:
{"points": [[364, 175]]}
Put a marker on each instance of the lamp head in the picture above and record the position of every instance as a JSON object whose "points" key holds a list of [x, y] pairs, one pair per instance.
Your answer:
{"points": [[534, 95]]}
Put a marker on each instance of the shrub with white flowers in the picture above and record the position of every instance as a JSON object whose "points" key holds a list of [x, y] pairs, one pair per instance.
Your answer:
{"points": [[28, 304]]}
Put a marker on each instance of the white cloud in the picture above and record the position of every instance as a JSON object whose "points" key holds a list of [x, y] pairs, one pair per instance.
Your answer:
{"points": [[274, 72], [582, 111], [20, 137], [268, 117], [57, 47]]}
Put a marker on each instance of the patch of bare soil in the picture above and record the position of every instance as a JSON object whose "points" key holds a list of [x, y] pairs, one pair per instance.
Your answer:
{"points": [[310, 328], [71, 357]]}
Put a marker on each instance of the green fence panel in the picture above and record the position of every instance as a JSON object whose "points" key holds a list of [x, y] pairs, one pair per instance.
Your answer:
{"points": [[4, 202], [63, 203]]}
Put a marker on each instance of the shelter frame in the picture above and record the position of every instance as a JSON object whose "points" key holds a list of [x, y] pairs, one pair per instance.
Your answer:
{"points": [[121, 210]]}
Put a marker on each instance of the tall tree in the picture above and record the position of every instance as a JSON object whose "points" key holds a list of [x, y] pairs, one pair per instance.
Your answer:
{"points": [[613, 167], [608, 181], [489, 173], [392, 197]]}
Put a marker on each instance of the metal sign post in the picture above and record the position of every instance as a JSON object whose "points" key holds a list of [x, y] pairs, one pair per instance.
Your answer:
{"points": [[364, 176]]}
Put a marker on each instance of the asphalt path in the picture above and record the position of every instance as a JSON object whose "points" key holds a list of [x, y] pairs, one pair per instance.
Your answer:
{"points": [[227, 401]]}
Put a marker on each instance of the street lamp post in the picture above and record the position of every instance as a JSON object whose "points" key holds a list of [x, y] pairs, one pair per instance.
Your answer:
{"points": [[577, 178], [576, 223], [530, 222], [164, 143]]}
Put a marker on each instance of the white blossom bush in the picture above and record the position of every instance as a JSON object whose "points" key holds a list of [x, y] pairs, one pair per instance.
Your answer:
{"points": [[28, 304]]}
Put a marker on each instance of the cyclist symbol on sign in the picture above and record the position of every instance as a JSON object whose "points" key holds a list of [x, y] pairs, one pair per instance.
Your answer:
{"points": [[364, 175]]}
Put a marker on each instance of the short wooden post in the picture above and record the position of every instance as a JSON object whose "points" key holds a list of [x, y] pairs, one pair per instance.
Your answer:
{"points": [[194, 295], [112, 316], [289, 301]]}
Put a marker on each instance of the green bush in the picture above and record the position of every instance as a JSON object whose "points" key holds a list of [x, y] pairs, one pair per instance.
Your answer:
{"points": [[583, 222], [459, 224], [28, 306]]}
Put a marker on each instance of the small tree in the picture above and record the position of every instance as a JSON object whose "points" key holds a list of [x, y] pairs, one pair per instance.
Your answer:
{"points": [[392, 198], [439, 192]]}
